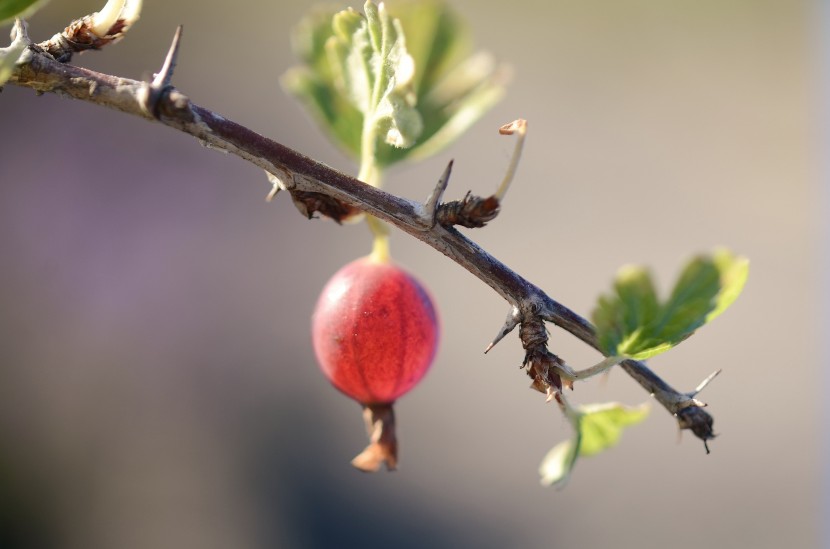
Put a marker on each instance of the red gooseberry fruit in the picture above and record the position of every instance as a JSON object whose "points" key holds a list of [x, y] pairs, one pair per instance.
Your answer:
{"points": [[375, 333]]}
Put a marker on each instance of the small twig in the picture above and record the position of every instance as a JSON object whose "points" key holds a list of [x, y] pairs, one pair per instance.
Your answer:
{"points": [[518, 127], [473, 211]]}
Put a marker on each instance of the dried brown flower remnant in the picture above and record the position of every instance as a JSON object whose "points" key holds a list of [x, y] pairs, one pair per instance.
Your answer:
{"points": [[309, 203], [471, 212]]}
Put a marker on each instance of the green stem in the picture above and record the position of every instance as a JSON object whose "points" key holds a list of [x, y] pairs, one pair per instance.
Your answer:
{"points": [[371, 174]]}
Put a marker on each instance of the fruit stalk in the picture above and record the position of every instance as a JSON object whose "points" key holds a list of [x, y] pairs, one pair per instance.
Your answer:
{"points": [[383, 444]]}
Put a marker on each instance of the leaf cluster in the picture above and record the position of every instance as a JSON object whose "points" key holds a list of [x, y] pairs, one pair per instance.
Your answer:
{"points": [[410, 75]]}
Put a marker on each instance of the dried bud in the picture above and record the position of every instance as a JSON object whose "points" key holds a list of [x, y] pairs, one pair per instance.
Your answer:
{"points": [[309, 203], [471, 212], [543, 367], [93, 31]]}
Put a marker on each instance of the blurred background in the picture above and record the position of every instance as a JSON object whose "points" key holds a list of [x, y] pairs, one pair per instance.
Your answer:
{"points": [[157, 383]]}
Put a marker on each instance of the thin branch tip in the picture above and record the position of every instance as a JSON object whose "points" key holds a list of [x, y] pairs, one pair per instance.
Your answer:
{"points": [[517, 126]]}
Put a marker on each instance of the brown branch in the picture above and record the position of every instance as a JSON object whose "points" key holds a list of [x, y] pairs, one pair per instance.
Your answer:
{"points": [[305, 177]]}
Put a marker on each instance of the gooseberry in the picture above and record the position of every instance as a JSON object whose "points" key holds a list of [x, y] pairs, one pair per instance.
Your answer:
{"points": [[375, 333]]}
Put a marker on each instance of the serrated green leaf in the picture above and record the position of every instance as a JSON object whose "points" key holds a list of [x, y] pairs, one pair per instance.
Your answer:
{"points": [[9, 9], [631, 322], [424, 95], [369, 64], [597, 427], [313, 82], [734, 272], [601, 425]]}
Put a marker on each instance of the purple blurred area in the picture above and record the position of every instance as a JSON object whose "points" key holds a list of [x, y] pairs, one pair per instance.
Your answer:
{"points": [[157, 383]]}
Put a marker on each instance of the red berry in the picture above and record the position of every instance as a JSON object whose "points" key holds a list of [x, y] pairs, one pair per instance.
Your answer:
{"points": [[374, 330]]}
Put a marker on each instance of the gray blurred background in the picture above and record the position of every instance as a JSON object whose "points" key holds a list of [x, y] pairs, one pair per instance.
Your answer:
{"points": [[157, 384]]}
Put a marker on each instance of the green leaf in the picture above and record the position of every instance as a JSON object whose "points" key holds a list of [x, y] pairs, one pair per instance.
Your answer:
{"points": [[601, 425], [358, 67], [597, 428], [9, 9], [313, 82], [631, 322], [557, 464], [409, 75]]}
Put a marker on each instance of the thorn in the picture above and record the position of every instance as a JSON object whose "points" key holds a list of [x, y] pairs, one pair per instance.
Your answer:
{"points": [[518, 127], [276, 186], [150, 96], [704, 383], [165, 76], [510, 323], [431, 205]]}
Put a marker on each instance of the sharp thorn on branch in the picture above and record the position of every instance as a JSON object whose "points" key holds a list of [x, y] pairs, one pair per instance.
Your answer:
{"points": [[704, 383], [431, 205], [510, 323], [152, 94], [276, 186], [165, 75]]}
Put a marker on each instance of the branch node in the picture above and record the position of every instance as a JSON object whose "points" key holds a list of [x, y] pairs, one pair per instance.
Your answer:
{"points": [[93, 31], [472, 212], [543, 367]]}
